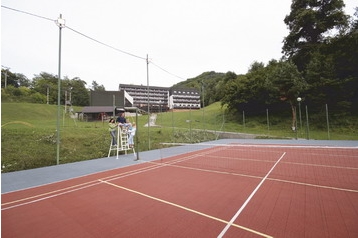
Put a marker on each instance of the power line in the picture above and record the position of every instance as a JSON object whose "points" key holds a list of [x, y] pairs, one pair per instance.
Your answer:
{"points": [[28, 13], [122, 51], [84, 35], [99, 42], [166, 70]]}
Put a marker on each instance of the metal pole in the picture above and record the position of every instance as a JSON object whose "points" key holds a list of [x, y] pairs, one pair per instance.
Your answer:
{"points": [[66, 94], [203, 108], [5, 79], [190, 125], [243, 119], [161, 116], [268, 122], [296, 122], [299, 109], [308, 127], [61, 23], [224, 120], [114, 106], [173, 124], [47, 95], [329, 137], [65, 111], [148, 103], [136, 134]]}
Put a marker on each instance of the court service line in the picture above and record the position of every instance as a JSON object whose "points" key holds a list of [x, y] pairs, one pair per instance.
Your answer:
{"points": [[185, 208], [249, 198]]}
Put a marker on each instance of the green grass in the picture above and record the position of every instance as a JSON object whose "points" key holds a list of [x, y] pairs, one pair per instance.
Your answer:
{"points": [[29, 138]]}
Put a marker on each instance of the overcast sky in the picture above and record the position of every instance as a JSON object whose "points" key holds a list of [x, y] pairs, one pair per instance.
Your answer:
{"points": [[182, 38]]}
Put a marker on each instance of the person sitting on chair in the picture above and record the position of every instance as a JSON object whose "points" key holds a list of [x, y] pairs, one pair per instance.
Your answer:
{"points": [[121, 119]]}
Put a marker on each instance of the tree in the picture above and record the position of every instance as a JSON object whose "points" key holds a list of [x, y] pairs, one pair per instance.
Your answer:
{"points": [[310, 22], [247, 92], [46, 83], [286, 83], [233, 97], [97, 87], [219, 87], [265, 86], [76, 91], [22, 80]]}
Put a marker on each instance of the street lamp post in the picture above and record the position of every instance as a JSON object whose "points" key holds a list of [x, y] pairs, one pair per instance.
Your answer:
{"points": [[299, 110], [202, 92], [61, 24]]}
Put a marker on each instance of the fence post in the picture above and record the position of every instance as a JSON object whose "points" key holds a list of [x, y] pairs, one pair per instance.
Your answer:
{"points": [[307, 126], [136, 145], [296, 123], [268, 122], [243, 119], [190, 125], [173, 124], [327, 122]]}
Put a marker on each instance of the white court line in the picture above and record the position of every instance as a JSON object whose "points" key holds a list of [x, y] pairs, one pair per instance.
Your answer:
{"points": [[249, 198], [264, 145], [50, 196]]}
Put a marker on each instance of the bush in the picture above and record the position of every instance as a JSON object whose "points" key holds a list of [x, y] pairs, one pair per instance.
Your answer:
{"points": [[37, 98]]}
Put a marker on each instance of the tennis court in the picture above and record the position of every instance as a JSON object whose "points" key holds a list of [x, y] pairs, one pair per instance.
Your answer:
{"points": [[224, 188]]}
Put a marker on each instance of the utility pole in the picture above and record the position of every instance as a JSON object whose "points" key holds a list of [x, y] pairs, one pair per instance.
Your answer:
{"points": [[6, 71], [61, 24], [47, 94], [5, 78]]}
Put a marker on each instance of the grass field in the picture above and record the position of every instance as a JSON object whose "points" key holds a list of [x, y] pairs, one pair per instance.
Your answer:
{"points": [[29, 138]]}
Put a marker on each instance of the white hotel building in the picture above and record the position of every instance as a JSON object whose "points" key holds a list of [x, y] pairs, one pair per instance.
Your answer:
{"points": [[162, 98]]}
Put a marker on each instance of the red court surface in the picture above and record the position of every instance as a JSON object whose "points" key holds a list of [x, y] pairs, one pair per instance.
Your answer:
{"points": [[224, 191]]}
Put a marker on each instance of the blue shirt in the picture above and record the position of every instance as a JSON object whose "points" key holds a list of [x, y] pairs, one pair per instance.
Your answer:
{"points": [[121, 119]]}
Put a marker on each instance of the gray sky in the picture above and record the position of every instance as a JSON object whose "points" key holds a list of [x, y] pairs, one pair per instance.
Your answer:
{"points": [[182, 37]]}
